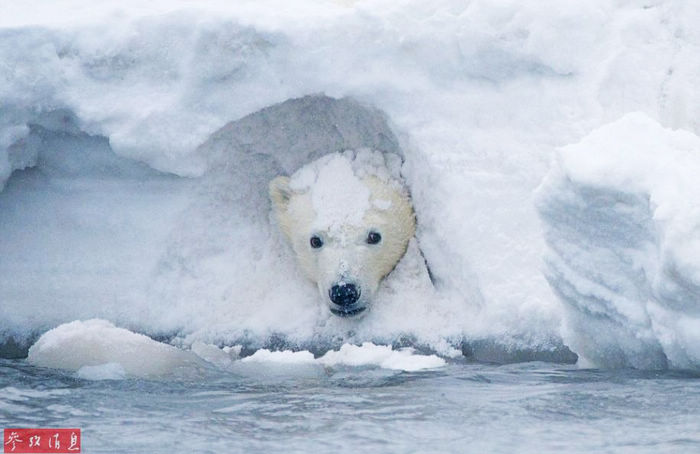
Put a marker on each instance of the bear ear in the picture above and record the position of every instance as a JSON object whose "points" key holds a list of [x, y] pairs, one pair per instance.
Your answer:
{"points": [[280, 193]]}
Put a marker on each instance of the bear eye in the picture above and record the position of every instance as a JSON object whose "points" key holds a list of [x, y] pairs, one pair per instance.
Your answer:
{"points": [[373, 238], [316, 242]]}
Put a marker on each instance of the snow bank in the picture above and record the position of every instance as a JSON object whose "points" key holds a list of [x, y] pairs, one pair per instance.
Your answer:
{"points": [[136, 207], [622, 220]]}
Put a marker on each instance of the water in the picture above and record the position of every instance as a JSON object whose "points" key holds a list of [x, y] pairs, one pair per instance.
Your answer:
{"points": [[463, 407]]}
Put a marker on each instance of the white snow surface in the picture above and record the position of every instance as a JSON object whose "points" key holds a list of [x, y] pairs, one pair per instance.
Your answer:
{"points": [[133, 208], [622, 219]]}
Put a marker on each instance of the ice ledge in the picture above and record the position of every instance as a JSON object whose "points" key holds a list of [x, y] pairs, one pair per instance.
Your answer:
{"points": [[621, 213]]}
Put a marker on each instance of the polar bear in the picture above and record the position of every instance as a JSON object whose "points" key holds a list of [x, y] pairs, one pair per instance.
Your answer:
{"points": [[349, 219]]}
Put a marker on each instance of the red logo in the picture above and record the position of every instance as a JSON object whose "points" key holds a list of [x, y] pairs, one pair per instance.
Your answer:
{"points": [[42, 440]]}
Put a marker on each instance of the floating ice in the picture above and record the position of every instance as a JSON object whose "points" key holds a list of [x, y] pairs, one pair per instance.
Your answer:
{"points": [[367, 354], [383, 356], [107, 371], [97, 349], [221, 357], [284, 357]]}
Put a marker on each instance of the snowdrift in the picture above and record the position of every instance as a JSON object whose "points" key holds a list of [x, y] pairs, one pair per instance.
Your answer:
{"points": [[122, 201], [212, 266]]}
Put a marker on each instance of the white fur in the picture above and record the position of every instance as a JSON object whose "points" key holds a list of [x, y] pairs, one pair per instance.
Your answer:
{"points": [[341, 203]]}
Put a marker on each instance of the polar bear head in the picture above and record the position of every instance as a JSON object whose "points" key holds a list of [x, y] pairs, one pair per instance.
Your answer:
{"points": [[348, 221]]}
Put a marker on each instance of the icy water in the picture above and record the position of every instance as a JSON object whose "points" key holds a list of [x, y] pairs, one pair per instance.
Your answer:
{"points": [[463, 407]]}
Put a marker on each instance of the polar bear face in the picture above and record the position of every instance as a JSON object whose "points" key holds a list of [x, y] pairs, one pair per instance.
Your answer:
{"points": [[347, 232]]}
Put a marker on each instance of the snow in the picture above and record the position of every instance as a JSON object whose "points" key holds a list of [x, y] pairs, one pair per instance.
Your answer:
{"points": [[321, 179], [622, 216], [142, 204], [335, 208]]}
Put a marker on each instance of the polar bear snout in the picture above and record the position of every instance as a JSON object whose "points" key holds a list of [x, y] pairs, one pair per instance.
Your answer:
{"points": [[345, 299], [344, 294]]}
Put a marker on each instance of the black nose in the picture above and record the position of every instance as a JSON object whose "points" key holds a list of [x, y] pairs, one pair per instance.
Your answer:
{"points": [[344, 294]]}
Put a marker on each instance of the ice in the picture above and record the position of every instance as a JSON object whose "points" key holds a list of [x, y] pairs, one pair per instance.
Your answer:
{"points": [[283, 357], [97, 349], [107, 371], [367, 354], [222, 357], [80, 232], [382, 355], [622, 222], [148, 133]]}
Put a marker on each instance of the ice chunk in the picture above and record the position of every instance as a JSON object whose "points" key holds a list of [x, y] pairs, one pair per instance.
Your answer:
{"points": [[108, 371], [96, 348], [221, 357], [622, 221], [383, 356], [367, 354], [283, 357]]}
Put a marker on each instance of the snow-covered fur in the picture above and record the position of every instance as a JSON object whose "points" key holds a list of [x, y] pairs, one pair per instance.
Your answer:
{"points": [[348, 221]]}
